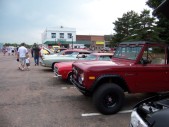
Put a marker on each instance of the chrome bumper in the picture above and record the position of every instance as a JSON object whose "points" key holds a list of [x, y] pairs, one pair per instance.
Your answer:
{"points": [[56, 73]]}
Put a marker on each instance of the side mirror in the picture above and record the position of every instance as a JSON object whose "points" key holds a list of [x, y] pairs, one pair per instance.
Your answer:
{"points": [[144, 61]]}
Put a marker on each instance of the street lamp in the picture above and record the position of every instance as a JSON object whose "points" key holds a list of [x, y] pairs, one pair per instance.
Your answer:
{"points": [[72, 42]]}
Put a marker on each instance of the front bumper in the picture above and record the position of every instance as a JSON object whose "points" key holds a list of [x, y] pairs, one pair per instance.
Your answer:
{"points": [[81, 88], [57, 74], [42, 64], [45, 64]]}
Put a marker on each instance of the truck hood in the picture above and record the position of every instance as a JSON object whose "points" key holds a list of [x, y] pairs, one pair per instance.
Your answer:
{"points": [[101, 64]]}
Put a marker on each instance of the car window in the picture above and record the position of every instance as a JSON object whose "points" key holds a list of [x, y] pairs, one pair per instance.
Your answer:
{"points": [[60, 53], [68, 52], [154, 55], [91, 57], [106, 58], [127, 52], [75, 53]]}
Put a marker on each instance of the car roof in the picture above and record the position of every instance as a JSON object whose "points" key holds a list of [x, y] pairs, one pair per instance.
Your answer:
{"points": [[141, 43], [134, 43]]}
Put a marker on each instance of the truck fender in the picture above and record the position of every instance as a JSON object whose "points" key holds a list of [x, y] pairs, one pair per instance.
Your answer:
{"points": [[97, 84]]}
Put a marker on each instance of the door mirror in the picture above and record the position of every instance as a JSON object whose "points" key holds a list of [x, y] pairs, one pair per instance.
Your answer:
{"points": [[144, 61]]}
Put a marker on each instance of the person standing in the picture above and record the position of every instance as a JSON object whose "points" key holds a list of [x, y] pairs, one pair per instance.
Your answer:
{"points": [[36, 52], [27, 61], [4, 50], [9, 50], [22, 51]]}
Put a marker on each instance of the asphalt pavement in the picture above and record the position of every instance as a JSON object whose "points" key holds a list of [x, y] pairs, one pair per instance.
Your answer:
{"points": [[36, 98]]}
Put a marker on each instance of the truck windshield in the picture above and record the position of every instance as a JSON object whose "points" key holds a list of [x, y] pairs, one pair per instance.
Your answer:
{"points": [[127, 52]]}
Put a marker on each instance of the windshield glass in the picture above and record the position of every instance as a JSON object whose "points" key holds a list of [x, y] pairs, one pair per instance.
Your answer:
{"points": [[74, 54], [127, 52], [61, 53], [90, 57]]}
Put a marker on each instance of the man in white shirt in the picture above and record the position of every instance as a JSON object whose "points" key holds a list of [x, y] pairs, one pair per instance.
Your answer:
{"points": [[22, 51]]}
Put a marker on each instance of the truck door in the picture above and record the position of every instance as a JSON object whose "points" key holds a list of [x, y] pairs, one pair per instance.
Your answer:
{"points": [[152, 76]]}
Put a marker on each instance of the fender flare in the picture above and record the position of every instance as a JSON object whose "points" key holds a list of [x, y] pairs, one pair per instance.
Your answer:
{"points": [[95, 84]]}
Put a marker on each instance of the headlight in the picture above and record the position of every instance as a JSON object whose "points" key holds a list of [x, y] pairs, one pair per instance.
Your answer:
{"points": [[136, 120], [81, 78]]}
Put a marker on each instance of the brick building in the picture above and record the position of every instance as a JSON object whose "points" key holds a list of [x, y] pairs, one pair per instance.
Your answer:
{"points": [[94, 42]]}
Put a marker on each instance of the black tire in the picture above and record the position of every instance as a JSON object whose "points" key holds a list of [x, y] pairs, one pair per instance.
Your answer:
{"points": [[53, 67], [69, 77], [109, 98], [86, 94]]}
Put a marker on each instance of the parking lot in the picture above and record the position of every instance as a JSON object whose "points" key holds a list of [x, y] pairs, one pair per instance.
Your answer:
{"points": [[36, 98]]}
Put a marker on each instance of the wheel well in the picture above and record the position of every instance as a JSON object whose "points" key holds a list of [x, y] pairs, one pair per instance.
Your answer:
{"points": [[117, 80], [53, 65], [69, 74]]}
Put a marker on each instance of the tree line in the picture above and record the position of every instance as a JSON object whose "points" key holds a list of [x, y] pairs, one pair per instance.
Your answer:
{"points": [[141, 27]]}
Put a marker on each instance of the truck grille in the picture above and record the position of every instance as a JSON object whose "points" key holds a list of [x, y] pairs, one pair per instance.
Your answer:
{"points": [[75, 73]]}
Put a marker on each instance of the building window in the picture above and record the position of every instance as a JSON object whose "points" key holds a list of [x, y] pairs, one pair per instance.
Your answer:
{"points": [[53, 35], [69, 35], [61, 35]]}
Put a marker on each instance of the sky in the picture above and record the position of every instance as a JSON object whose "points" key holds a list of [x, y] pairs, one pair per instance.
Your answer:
{"points": [[25, 20]]}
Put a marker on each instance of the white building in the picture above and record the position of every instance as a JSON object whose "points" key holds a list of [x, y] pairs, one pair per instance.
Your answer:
{"points": [[59, 36]]}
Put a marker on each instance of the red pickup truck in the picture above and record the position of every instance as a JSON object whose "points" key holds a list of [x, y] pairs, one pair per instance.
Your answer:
{"points": [[137, 67]]}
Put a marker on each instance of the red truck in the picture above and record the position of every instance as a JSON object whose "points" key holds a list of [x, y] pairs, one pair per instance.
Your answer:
{"points": [[136, 67]]}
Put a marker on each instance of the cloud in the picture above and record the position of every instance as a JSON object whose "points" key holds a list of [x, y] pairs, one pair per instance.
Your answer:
{"points": [[25, 20]]}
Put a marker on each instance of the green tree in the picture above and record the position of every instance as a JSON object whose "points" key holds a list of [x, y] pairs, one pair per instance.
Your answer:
{"points": [[148, 29], [162, 22], [135, 27], [126, 27]]}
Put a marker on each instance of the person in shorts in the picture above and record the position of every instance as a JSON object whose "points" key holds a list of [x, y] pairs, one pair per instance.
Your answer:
{"points": [[22, 52], [27, 61]]}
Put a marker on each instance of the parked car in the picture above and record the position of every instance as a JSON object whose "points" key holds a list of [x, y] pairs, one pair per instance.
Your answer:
{"points": [[45, 51], [136, 67], [57, 50], [151, 112], [63, 70], [66, 52], [49, 61]]}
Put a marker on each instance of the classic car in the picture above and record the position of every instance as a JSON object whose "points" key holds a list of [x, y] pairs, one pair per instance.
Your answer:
{"points": [[49, 61], [45, 51], [63, 52], [136, 67], [151, 112], [63, 70]]}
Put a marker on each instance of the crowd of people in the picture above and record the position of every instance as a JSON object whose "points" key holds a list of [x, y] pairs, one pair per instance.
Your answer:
{"points": [[10, 50], [22, 55]]}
